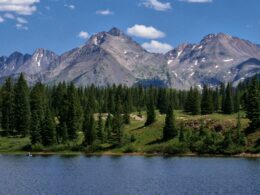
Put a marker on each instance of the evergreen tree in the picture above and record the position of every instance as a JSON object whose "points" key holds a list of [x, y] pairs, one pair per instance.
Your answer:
{"points": [[169, 130], [151, 115], [162, 103], [74, 115], [189, 101], [89, 128], [7, 107], [223, 96], [216, 99], [108, 126], [207, 106], [126, 114], [22, 106], [100, 131], [48, 129], [37, 105], [253, 104], [196, 107], [240, 135], [35, 129], [228, 108], [62, 132], [117, 127]]}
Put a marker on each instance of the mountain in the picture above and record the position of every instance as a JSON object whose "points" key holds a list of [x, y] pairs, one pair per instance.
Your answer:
{"points": [[114, 58], [214, 60]]}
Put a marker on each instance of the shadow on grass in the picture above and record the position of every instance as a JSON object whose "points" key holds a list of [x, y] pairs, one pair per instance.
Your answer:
{"points": [[157, 141], [138, 128]]}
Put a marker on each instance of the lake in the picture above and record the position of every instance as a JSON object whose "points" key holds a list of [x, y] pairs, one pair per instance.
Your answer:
{"points": [[128, 175]]}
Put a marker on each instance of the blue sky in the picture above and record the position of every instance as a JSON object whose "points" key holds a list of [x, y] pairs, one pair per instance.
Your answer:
{"points": [[60, 25]]}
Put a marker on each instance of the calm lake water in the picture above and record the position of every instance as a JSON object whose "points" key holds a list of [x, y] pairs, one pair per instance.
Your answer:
{"points": [[128, 175]]}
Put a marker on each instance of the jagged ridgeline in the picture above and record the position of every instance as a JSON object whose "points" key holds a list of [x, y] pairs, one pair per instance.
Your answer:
{"points": [[112, 57], [58, 114]]}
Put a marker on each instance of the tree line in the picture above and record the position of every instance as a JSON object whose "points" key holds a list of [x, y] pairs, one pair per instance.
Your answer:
{"points": [[56, 114]]}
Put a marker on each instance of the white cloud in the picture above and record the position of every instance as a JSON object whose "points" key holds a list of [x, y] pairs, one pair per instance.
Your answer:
{"points": [[157, 5], [1, 19], [21, 20], [147, 32], [104, 12], [9, 16], [20, 7], [83, 35], [72, 7], [21, 27], [197, 1], [157, 47]]}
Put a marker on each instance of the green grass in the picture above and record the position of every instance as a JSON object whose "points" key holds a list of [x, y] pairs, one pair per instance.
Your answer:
{"points": [[13, 144], [146, 138]]}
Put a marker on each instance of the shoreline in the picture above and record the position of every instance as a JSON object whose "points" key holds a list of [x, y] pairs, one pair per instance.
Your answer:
{"points": [[120, 154]]}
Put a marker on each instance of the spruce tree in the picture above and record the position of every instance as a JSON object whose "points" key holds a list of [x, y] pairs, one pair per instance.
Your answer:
{"points": [[117, 126], [74, 115], [228, 108], [89, 127], [126, 114], [216, 99], [62, 133], [151, 115], [100, 131], [196, 107], [162, 103], [253, 104], [108, 126], [48, 129], [240, 135], [35, 129], [38, 107], [22, 106], [7, 107], [169, 130], [207, 106]]}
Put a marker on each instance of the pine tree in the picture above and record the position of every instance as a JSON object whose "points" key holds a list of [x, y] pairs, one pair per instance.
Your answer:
{"points": [[100, 131], [189, 101], [74, 115], [216, 99], [151, 115], [207, 106], [22, 106], [126, 114], [108, 126], [240, 135], [228, 108], [7, 107], [89, 128], [253, 104], [162, 103], [169, 130], [223, 96], [62, 132], [35, 129], [38, 106], [48, 129], [196, 107], [117, 127]]}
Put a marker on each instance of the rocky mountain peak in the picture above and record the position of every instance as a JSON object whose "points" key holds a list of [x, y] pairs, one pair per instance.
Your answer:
{"points": [[115, 32]]}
